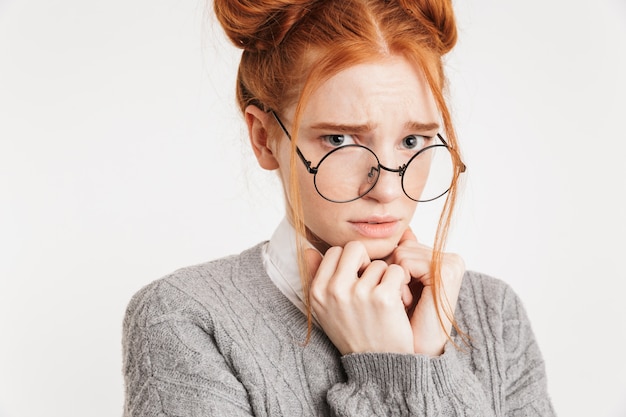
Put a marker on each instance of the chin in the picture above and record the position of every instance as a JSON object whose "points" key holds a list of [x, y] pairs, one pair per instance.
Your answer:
{"points": [[376, 248], [379, 249]]}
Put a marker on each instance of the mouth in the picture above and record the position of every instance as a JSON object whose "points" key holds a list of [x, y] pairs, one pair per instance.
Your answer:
{"points": [[376, 227]]}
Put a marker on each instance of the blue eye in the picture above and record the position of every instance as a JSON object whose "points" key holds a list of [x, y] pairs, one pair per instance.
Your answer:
{"points": [[414, 142], [338, 140]]}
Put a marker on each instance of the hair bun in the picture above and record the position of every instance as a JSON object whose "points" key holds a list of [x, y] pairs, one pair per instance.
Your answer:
{"points": [[259, 24], [437, 15]]}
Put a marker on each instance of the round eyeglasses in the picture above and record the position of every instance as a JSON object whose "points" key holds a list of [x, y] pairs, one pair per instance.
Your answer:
{"points": [[349, 172]]}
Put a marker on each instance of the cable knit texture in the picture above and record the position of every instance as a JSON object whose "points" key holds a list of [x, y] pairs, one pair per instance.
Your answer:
{"points": [[219, 339]]}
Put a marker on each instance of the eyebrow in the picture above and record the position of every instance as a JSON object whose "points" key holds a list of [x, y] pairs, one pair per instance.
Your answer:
{"points": [[343, 128], [363, 128], [421, 127]]}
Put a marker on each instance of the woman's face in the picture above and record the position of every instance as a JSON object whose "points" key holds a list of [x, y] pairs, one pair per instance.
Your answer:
{"points": [[385, 106]]}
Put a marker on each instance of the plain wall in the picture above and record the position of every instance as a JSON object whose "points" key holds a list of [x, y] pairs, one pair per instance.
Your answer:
{"points": [[123, 157]]}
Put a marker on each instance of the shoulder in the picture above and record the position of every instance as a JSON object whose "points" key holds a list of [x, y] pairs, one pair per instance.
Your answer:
{"points": [[493, 317], [486, 298], [181, 333], [197, 290], [486, 288]]}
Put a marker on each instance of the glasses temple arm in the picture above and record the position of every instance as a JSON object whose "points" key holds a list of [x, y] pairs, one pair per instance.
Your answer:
{"points": [[462, 165], [307, 163]]}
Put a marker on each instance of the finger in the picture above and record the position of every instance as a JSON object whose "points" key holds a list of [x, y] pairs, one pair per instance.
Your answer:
{"points": [[372, 274], [394, 279], [408, 237], [327, 267], [354, 259], [407, 296], [418, 268]]}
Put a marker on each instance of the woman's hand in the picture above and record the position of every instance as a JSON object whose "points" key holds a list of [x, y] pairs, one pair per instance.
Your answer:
{"points": [[429, 337], [359, 302]]}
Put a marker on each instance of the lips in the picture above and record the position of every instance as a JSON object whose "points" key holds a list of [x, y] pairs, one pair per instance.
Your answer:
{"points": [[376, 227]]}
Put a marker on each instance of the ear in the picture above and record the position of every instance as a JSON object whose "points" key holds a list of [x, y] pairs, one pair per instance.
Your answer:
{"points": [[258, 128]]}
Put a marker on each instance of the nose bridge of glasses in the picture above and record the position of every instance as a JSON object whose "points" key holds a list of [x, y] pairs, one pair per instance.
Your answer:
{"points": [[399, 170], [390, 159], [383, 187]]}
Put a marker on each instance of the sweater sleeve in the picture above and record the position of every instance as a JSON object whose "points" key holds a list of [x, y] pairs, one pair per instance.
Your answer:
{"points": [[408, 385], [171, 364], [525, 383], [501, 372]]}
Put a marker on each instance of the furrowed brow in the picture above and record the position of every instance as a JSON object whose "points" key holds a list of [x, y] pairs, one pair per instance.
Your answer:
{"points": [[421, 127], [343, 128], [356, 129]]}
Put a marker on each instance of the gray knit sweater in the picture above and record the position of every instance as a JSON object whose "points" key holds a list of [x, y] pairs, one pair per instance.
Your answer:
{"points": [[219, 339]]}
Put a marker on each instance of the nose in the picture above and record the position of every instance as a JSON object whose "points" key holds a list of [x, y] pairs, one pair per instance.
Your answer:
{"points": [[388, 187]]}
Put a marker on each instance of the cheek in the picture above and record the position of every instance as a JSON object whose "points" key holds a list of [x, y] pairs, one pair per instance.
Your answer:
{"points": [[323, 218], [317, 211], [319, 214]]}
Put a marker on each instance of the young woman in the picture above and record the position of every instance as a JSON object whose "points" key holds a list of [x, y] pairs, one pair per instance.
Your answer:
{"points": [[343, 312]]}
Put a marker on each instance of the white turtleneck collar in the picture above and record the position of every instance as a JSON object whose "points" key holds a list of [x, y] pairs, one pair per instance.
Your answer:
{"points": [[280, 259]]}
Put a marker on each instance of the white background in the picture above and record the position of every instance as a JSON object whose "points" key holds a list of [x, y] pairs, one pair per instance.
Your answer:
{"points": [[123, 157]]}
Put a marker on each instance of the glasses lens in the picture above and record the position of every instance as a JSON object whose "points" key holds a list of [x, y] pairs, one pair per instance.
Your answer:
{"points": [[347, 173], [429, 174]]}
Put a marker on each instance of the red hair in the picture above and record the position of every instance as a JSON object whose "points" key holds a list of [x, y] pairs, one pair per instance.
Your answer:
{"points": [[292, 47]]}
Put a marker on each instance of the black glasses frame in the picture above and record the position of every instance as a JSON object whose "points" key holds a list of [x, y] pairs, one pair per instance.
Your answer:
{"points": [[400, 170]]}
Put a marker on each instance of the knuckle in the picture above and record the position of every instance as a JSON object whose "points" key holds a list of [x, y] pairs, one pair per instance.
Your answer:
{"points": [[340, 297], [317, 295], [337, 293], [361, 293], [334, 251], [355, 246], [403, 255], [384, 300], [400, 251], [455, 258], [455, 264], [378, 264], [395, 269]]}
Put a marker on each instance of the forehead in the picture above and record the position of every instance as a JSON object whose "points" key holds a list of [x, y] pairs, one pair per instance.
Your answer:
{"points": [[366, 92]]}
